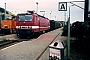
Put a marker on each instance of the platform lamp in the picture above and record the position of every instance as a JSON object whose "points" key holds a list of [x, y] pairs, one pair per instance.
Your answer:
{"points": [[50, 14], [37, 7], [5, 11]]}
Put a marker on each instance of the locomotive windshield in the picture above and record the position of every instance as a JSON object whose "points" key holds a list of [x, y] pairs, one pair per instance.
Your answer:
{"points": [[24, 17], [21, 18], [28, 17]]}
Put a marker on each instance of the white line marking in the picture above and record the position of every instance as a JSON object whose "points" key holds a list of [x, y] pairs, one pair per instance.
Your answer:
{"points": [[40, 36]]}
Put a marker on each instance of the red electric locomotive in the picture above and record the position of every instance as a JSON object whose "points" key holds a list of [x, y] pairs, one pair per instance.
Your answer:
{"points": [[31, 24]]}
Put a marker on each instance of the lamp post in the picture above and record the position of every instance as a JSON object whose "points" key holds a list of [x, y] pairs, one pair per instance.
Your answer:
{"points": [[50, 14], [0, 15], [37, 7], [68, 41], [65, 17], [55, 17], [5, 11], [0, 18]]}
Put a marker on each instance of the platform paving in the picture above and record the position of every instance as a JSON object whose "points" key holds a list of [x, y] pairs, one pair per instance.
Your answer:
{"points": [[30, 50]]}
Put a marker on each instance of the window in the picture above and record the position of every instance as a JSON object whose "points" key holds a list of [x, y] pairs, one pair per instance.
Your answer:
{"points": [[25, 17], [21, 18], [28, 17]]}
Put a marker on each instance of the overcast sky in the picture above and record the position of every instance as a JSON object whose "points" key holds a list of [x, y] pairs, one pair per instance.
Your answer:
{"points": [[18, 6]]}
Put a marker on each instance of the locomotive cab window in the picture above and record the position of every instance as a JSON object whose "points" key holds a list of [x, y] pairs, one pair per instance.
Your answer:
{"points": [[21, 18], [28, 17], [25, 17]]}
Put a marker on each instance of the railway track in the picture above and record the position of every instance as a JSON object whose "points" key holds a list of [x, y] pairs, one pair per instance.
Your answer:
{"points": [[8, 40], [6, 43], [3, 34]]}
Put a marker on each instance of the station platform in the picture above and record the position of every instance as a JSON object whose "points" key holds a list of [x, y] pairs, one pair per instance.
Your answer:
{"points": [[34, 49]]}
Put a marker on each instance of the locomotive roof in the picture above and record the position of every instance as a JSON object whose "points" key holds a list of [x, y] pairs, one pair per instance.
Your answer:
{"points": [[42, 16], [35, 13], [24, 14]]}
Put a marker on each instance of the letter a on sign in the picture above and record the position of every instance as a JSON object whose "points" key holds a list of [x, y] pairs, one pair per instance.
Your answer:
{"points": [[62, 6]]}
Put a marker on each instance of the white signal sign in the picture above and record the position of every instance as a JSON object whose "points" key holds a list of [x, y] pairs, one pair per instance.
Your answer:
{"points": [[62, 6]]}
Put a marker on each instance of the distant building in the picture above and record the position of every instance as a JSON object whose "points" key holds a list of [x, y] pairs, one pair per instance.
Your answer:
{"points": [[8, 16]]}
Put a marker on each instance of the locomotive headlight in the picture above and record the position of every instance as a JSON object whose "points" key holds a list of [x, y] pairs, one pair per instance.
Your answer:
{"points": [[2, 27], [18, 27], [29, 27]]}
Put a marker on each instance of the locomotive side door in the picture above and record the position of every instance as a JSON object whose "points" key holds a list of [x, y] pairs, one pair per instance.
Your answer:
{"points": [[36, 23]]}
